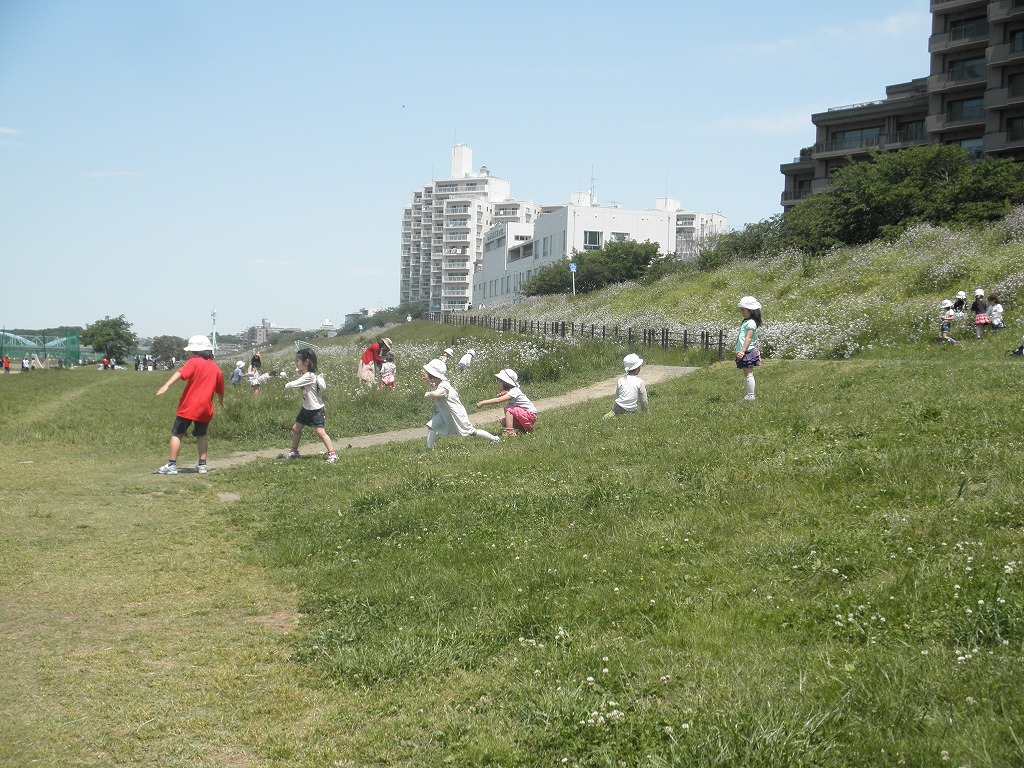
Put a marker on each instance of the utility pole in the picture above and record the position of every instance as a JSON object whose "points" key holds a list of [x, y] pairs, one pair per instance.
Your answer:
{"points": [[213, 317]]}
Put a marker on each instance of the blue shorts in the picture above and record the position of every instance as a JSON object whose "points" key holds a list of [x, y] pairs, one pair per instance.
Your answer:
{"points": [[315, 419], [181, 427]]}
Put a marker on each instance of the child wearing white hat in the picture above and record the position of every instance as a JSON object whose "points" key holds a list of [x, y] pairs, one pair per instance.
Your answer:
{"points": [[520, 412], [980, 309], [203, 379], [948, 315], [449, 416], [466, 360], [747, 355], [631, 391]]}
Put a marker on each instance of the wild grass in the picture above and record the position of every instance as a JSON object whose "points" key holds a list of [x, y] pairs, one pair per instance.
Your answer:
{"points": [[828, 576]]}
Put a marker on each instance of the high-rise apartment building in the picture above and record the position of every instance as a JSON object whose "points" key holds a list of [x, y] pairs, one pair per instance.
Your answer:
{"points": [[443, 229], [973, 97]]}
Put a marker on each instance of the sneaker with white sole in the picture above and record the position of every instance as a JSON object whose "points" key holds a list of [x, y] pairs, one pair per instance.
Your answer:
{"points": [[201, 468], [332, 457], [748, 397], [292, 455], [168, 469]]}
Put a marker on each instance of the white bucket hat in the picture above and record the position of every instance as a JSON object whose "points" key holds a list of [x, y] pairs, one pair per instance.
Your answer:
{"points": [[749, 302], [471, 352], [199, 344], [509, 376], [449, 351], [239, 364], [978, 292], [435, 369], [946, 304], [961, 294], [632, 361]]}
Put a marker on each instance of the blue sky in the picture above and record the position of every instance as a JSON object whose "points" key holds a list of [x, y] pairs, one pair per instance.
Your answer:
{"points": [[162, 158]]}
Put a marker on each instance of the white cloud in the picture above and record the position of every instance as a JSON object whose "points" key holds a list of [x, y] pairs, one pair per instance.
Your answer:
{"points": [[5, 131]]}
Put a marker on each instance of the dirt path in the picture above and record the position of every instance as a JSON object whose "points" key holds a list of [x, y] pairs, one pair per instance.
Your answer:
{"points": [[652, 374]]}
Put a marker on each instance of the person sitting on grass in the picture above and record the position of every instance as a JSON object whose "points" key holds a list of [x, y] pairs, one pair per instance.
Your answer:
{"points": [[520, 412], [631, 392], [449, 416], [203, 378]]}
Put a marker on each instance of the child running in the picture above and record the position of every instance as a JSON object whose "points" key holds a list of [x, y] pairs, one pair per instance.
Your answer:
{"points": [[520, 412], [203, 378], [631, 391], [449, 416], [312, 413], [747, 355]]}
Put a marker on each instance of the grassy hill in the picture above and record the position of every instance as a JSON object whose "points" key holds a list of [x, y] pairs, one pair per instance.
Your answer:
{"points": [[828, 576]]}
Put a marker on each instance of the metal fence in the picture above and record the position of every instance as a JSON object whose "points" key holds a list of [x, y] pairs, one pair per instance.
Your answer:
{"points": [[44, 351], [708, 341]]}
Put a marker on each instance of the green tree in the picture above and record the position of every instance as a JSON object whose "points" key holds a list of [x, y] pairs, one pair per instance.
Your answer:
{"points": [[112, 336], [615, 262], [166, 347]]}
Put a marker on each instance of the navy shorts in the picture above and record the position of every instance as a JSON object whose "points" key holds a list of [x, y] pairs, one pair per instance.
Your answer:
{"points": [[181, 427], [315, 419]]}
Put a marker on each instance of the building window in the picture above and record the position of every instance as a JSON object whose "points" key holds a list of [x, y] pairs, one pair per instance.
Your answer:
{"points": [[591, 240], [966, 109], [1017, 41], [854, 139], [966, 69], [619, 237], [967, 28], [973, 146], [911, 131], [1014, 128]]}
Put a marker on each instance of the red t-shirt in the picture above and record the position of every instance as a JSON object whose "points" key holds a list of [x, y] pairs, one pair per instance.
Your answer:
{"points": [[372, 354], [203, 379]]}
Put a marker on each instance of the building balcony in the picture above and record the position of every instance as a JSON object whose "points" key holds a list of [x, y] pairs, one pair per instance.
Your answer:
{"points": [[794, 196], [844, 147], [455, 293], [944, 82], [462, 264], [998, 98], [948, 6], [959, 40], [1006, 10], [1005, 140], [1006, 53], [957, 118], [799, 164]]}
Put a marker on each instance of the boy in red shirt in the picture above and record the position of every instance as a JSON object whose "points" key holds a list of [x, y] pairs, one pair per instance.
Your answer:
{"points": [[203, 378]]}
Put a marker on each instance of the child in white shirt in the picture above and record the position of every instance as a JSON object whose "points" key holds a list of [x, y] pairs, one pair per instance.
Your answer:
{"points": [[449, 416], [631, 392], [520, 412], [387, 372], [312, 413]]}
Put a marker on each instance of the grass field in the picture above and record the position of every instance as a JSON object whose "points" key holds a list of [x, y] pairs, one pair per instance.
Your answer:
{"points": [[829, 576]]}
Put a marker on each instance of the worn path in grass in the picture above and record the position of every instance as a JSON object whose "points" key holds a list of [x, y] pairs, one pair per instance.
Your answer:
{"points": [[652, 374]]}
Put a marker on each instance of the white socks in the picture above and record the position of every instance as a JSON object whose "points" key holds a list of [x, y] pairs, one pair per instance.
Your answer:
{"points": [[487, 435], [750, 387], [431, 437]]}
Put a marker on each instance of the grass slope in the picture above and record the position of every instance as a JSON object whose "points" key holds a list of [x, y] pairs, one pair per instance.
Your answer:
{"points": [[829, 576]]}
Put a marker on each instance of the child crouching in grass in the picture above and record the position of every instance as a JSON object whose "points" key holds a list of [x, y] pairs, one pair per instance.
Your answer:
{"points": [[313, 411], [449, 416], [520, 412], [631, 392]]}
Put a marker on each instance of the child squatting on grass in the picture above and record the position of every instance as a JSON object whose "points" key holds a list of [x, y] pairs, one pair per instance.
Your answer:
{"points": [[948, 315], [520, 412], [747, 355], [202, 378], [630, 392], [313, 412], [449, 416]]}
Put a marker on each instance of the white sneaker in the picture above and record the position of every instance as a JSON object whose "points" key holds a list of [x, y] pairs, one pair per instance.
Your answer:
{"points": [[201, 469], [332, 457], [748, 397], [292, 455], [168, 469]]}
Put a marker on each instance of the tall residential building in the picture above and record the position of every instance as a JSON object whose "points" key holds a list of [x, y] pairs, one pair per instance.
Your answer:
{"points": [[973, 97], [443, 233]]}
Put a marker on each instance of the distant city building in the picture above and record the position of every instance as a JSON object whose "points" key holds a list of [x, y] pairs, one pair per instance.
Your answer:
{"points": [[466, 242], [443, 230], [258, 334], [357, 317], [973, 98], [515, 252]]}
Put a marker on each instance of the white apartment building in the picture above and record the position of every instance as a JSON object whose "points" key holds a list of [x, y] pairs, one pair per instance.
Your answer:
{"points": [[443, 233], [514, 253]]}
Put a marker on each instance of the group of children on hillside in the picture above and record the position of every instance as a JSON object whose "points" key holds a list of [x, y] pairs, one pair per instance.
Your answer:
{"points": [[203, 379], [985, 313]]}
